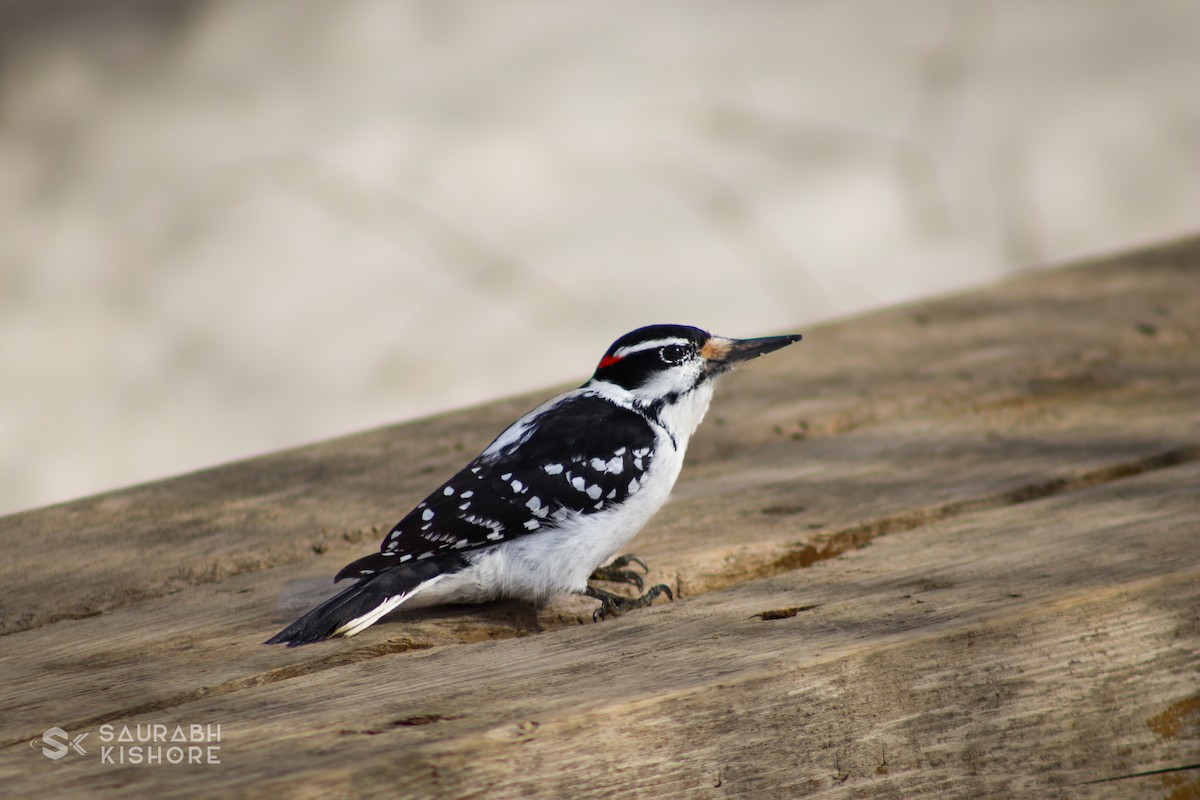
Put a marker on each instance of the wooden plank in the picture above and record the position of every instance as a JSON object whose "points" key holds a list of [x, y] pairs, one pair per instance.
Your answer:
{"points": [[149, 604], [956, 658], [207, 639]]}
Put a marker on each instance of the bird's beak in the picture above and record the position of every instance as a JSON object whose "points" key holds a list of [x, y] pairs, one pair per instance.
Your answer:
{"points": [[721, 354]]}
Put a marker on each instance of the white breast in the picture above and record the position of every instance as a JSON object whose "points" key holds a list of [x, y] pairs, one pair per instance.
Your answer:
{"points": [[537, 566]]}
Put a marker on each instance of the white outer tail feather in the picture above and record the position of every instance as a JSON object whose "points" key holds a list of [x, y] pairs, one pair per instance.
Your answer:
{"points": [[360, 624]]}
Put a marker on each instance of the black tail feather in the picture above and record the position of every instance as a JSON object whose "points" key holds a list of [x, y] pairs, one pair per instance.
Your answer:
{"points": [[368, 594]]}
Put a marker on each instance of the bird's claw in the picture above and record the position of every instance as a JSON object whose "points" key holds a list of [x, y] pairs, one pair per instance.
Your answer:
{"points": [[618, 576], [615, 605], [627, 559], [614, 571]]}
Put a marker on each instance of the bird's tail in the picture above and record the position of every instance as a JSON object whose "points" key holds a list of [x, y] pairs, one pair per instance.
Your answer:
{"points": [[358, 607]]}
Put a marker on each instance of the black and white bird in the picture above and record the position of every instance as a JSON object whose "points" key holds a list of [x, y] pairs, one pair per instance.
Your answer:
{"points": [[556, 495]]}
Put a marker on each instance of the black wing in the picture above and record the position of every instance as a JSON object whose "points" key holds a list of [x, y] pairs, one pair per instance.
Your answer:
{"points": [[579, 456]]}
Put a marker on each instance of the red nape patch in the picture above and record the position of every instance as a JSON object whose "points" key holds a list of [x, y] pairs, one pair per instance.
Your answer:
{"points": [[608, 361]]}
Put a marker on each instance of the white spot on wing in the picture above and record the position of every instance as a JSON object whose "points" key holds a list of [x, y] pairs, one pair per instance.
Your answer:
{"points": [[449, 490], [579, 483], [532, 524], [594, 491], [553, 469], [535, 505], [496, 528], [427, 514], [634, 486]]}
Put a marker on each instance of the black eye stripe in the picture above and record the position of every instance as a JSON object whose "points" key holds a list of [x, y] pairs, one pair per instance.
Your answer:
{"points": [[636, 358]]}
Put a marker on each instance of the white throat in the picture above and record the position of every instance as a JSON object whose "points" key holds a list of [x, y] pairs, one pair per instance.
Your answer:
{"points": [[679, 419], [682, 417]]}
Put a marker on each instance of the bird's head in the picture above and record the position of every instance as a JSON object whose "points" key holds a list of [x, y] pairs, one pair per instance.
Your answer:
{"points": [[662, 363]]}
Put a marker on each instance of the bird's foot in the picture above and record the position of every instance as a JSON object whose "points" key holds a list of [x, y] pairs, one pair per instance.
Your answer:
{"points": [[614, 571], [615, 605]]}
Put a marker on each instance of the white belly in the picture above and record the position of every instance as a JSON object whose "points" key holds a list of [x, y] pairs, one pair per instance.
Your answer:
{"points": [[540, 565]]}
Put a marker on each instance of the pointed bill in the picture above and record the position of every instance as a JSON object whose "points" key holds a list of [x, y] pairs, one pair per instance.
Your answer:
{"points": [[721, 354]]}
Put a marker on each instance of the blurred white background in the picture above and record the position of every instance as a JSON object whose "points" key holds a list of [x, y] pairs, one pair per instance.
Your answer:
{"points": [[229, 226]]}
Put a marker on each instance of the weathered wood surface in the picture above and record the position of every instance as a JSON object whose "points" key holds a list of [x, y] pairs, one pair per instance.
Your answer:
{"points": [[951, 549]]}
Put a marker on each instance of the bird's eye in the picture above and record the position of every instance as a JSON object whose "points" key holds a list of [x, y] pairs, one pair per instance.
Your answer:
{"points": [[673, 353]]}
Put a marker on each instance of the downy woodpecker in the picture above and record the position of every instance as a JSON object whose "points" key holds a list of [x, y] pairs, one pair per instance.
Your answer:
{"points": [[556, 495]]}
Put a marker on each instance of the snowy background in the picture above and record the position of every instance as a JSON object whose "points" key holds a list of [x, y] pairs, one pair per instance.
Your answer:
{"points": [[230, 226]]}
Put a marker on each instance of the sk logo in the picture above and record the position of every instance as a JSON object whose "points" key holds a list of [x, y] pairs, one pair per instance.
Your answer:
{"points": [[56, 743]]}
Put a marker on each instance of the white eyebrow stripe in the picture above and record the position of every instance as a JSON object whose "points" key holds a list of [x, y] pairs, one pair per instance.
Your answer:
{"points": [[637, 348]]}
